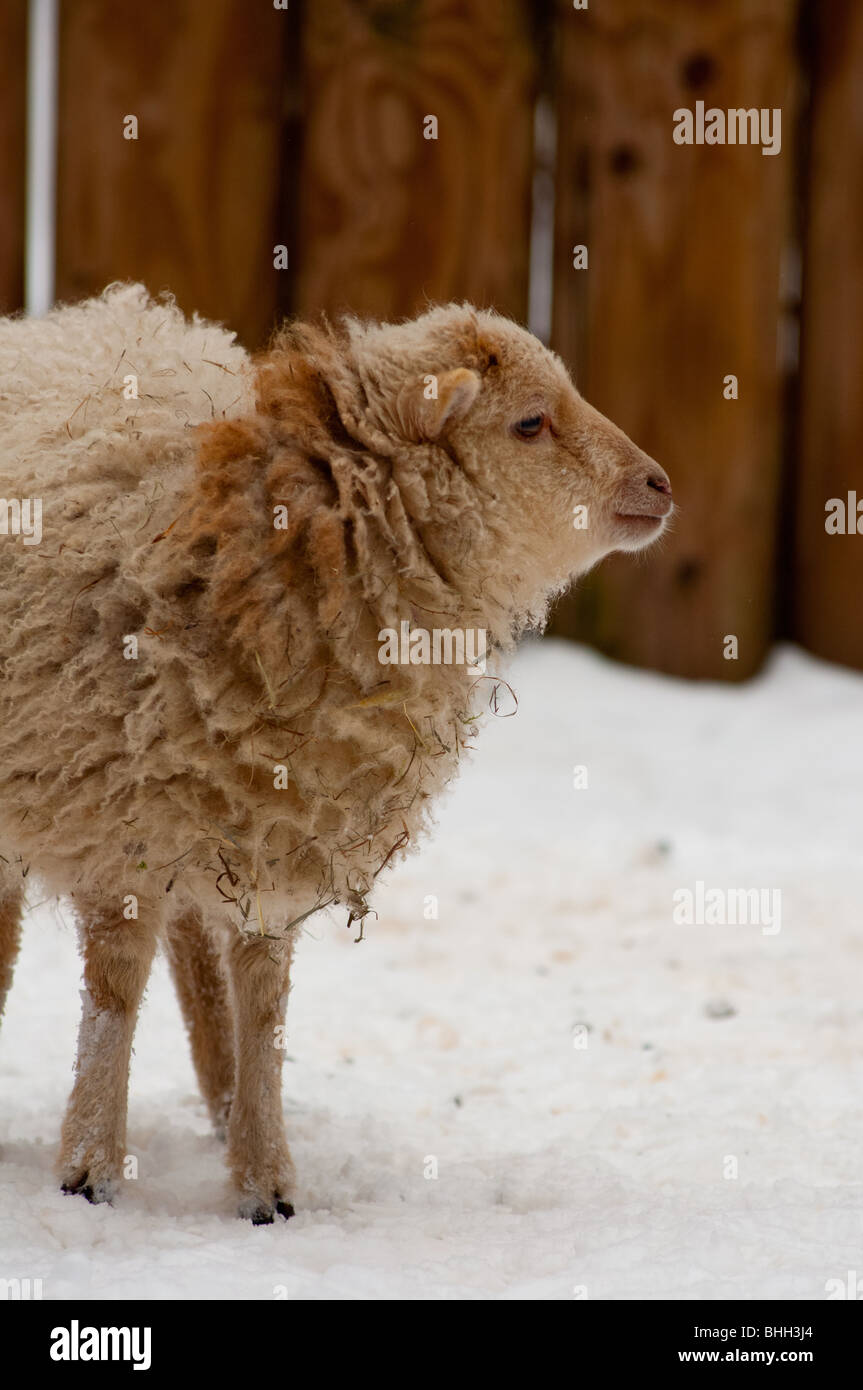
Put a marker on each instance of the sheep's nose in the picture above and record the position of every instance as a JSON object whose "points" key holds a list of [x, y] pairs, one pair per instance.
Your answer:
{"points": [[659, 481], [644, 491]]}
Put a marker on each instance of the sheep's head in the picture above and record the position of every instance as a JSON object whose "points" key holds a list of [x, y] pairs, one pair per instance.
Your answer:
{"points": [[446, 462], [505, 409]]}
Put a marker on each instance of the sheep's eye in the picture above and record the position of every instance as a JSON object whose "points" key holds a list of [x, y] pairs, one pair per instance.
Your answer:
{"points": [[531, 427]]}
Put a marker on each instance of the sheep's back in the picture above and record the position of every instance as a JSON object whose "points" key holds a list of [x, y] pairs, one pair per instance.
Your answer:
{"points": [[98, 407]]}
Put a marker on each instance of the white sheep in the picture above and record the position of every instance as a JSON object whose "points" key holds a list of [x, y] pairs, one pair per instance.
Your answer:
{"points": [[203, 733]]}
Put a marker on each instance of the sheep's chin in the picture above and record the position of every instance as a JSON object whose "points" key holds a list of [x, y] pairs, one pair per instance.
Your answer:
{"points": [[637, 532]]}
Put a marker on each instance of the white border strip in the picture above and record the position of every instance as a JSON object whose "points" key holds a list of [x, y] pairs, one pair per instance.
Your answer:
{"points": [[42, 43], [541, 274]]}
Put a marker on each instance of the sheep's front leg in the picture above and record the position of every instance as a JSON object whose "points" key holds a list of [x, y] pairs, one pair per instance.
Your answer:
{"points": [[258, 973], [117, 959]]}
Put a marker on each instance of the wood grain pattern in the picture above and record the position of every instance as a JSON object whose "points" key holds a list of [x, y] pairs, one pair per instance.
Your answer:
{"points": [[829, 568], [682, 289], [192, 205], [13, 57], [390, 219]]}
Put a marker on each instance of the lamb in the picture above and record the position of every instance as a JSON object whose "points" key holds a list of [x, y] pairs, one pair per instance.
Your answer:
{"points": [[200, 740]]}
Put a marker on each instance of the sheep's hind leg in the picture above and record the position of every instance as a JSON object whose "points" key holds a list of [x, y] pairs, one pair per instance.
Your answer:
{"points": [[258, 971], [10, 938], [203, 994], [117, 959]]}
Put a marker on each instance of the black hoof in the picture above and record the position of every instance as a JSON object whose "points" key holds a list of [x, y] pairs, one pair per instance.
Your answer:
{"points": [[265, 1216], [82, 1187], [78, 1189]]}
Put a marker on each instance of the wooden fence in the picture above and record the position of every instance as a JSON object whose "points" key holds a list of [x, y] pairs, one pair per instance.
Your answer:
{"points": [[304, 127]]}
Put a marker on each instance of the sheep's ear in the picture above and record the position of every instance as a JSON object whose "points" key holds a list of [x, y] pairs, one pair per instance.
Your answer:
{"points": [[430, 403]]}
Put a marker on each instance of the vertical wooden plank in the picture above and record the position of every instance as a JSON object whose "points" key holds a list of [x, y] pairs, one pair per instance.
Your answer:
{"points": [[829, 568], [13, 46], [192, 204], [682, 290], [390, 219]]}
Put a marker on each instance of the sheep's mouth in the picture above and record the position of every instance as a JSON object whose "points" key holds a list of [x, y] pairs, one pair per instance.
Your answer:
{"points": [[641, 518], [637, 529]]}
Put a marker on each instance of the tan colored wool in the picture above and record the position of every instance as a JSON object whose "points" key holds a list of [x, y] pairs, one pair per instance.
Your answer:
{"points": [[409, 495]]}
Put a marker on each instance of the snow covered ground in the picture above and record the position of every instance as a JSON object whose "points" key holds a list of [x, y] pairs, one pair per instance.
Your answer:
{"points": [[586, 1074]]}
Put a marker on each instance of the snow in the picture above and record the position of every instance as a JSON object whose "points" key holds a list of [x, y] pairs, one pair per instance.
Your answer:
{"points": [[565, 1170]]}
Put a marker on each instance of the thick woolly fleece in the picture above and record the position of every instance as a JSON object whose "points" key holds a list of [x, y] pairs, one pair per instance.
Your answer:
{"points": [[253, 527]]}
